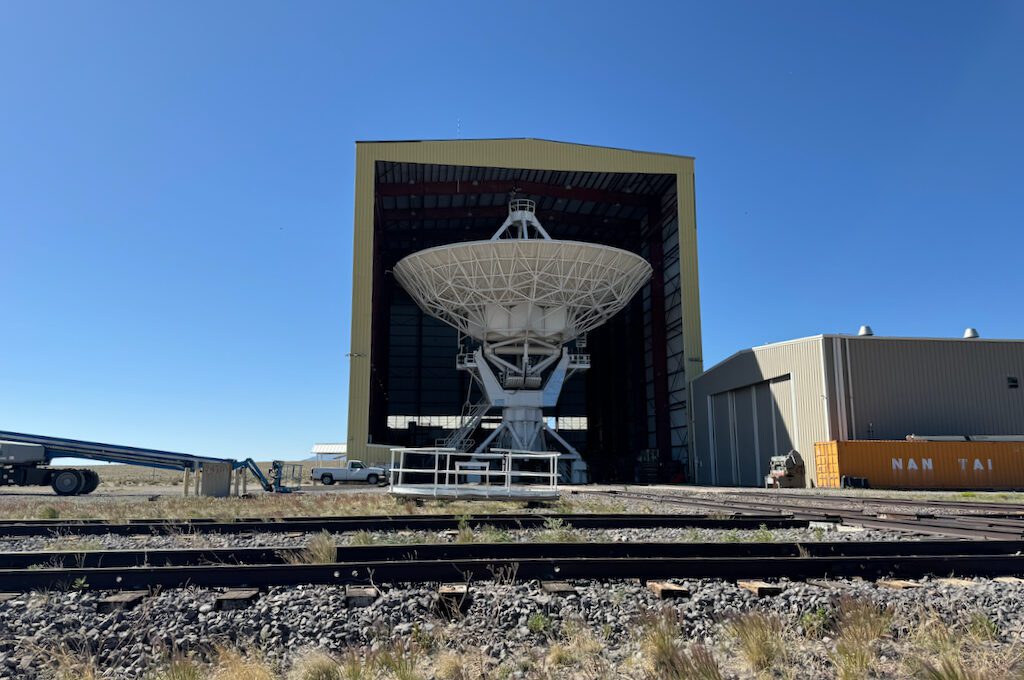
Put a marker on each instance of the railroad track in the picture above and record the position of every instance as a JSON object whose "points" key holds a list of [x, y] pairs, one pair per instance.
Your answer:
{"points": [[367, 565], [1006, 510], [958, 526], [724, 520], [452, 551]]}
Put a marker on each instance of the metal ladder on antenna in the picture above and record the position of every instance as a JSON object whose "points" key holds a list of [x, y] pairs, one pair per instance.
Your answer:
{"points": [[457, 439]]}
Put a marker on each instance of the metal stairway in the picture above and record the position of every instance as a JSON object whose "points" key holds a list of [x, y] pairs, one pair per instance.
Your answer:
{"points": [[459, 439]]}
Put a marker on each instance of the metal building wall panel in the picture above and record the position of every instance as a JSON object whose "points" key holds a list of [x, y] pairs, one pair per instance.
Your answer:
{"points": [[923, 465], [745, 438], [765, 432], [541, 155], [930, 386], [801, 404], [784, 432], [724, 472]]}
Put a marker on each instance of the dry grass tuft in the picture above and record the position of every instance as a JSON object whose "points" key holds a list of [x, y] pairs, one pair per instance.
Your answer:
{"points": [[859, 623], [666, 658], [232, 665], [759, 637], [452, 666], [980, 627], [557, 531], [490, 534], [356, 666], [399, 663], [316, 666], [947, 668], [973, 653], [465, 534], [321, 549], [362, 537], [73, 664], [180, 668], [579, 648]]}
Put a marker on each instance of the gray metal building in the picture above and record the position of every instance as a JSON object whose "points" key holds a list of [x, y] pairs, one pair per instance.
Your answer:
{"points": [[768, 400]]}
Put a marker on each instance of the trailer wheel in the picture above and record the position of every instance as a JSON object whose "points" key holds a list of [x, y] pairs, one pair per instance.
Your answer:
{"points": [[326, 479], [372, 480], [67, 482], [92, 480]]}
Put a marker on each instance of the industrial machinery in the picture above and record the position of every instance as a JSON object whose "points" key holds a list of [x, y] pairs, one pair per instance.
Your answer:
{"points": [[282, 476], [785, 472], [522, 303], [25, 461]]}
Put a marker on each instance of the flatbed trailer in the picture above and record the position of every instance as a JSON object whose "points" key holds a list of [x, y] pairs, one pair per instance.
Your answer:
{"points": [[26, 459]]}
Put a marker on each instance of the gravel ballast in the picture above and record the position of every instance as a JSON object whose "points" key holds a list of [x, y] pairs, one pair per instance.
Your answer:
{"points": [[259, 540], [497, 623]]}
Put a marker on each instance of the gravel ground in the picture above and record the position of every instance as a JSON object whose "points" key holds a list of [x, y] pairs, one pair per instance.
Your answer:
{"points": [[496, 627], [507, 630], [257, 540]]}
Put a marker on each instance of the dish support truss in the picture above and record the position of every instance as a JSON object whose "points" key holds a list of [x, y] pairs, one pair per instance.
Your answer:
{"points": [[521, 396]]}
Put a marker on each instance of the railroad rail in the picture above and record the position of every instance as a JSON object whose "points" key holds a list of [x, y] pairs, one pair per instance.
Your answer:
{"points": [[782, 498], [13, 528], [534, 561], [958, 526], [462, 551]]}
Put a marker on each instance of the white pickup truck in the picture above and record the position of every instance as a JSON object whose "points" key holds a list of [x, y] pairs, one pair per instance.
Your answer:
{"points": [[347, 471]]}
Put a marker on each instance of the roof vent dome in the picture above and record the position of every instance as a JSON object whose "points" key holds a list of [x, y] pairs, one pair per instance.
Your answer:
{"points": [[865, 331], [971, 333]]}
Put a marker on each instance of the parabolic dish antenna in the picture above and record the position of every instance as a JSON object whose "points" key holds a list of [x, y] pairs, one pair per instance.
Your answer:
{"points": [[522, 295]]}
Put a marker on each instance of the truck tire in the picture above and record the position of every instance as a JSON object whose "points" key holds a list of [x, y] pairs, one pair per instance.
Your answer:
{"points": [[326, 479], [92, 480], [67, 482], [372, 480]]}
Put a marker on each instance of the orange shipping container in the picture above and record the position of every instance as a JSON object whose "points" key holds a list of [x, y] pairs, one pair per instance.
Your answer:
{"points": [[922, 465]]}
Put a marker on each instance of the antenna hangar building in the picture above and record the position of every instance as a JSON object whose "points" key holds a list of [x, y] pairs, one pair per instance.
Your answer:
{"points": [[628, 414]]}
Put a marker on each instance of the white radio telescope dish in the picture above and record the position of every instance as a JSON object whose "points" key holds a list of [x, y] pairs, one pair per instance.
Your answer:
{"points": [[522, 296], [513, 286]]}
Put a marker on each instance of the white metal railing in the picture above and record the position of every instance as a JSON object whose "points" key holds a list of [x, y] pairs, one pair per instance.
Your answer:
{"points": [[497, 472], [579, 361], [521, 204]]}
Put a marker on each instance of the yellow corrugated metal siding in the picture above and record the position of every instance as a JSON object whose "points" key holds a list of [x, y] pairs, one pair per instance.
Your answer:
{"points": [[792, 373], [922, 465], [504, 153]]}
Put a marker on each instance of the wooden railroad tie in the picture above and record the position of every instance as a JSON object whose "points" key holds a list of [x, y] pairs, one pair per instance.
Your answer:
{"points": [[760, 588], [6, 597], [823, 583], [128, 599], [238, 598], [959, 582], [452, 599], [560, 588], [1012, 580], [664, 590], [897, 584], [360, 596]]}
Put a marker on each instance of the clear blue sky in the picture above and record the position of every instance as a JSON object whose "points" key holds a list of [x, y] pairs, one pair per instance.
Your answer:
{"points": [[176, 181]]}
